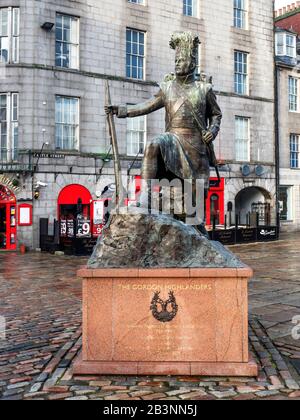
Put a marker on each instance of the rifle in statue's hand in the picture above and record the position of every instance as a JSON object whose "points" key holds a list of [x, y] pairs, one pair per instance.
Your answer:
{"points": [[115, 147]]}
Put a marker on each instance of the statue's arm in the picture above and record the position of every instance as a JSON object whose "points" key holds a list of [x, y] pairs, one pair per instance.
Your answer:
{"points": [[213, 113], [130, 111]]}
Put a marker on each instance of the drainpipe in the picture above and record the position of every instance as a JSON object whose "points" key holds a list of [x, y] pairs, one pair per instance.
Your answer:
{"points": [[277, 139]]}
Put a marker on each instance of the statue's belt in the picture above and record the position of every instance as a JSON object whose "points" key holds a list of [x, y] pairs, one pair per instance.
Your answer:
{"points": [[178, 105], [184, 100]]}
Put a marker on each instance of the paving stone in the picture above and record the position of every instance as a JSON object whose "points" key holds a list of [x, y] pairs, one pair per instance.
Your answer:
{"points": [[22, 379], [18, 385], [101, 395], [117, 397], [295, 394], [155, 396], [60, 396], [113, 388], [286, 375], [224, 394], [84, 392], [36, 387], [246, 389], [291, 384], [271, 371], [99, 383], [280, 397], [82, 388], [276, 382], [263, 394], [245, 397], [296, 364], [57, 389], [193, 395], [42, 377], [178, 391], [17, 397], [207, 384], [10, 392], [141, 393]]}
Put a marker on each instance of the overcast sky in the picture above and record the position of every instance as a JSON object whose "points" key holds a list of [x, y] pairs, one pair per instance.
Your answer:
{"points": [[280, 3]]}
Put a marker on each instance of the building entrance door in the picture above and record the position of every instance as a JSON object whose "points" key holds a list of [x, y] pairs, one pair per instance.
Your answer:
{"points": [[215, 212], [8, 223], [75, 214], [2, 227], [215, 209]]}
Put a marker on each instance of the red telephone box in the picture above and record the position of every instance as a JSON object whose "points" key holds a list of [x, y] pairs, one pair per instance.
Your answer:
{"points": [[215, 202], [8, 219]]}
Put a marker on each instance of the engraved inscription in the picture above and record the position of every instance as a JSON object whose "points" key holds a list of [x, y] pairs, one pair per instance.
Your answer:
{"points": [[179, 287]]}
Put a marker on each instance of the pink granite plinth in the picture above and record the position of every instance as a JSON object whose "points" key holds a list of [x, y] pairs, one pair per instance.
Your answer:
{"points": [[208, 335]]}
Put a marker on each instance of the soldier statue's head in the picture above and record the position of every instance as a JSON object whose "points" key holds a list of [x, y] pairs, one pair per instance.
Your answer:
{"points": [[185, 45]]}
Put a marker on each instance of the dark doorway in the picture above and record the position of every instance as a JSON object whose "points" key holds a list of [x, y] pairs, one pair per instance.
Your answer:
{"points": [[215, 209], [3, 227]]}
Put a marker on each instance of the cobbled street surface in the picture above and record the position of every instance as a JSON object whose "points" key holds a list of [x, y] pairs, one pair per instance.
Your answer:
{"points": [[40, 301]]}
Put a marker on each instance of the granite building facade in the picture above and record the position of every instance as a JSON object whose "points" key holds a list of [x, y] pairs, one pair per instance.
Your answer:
{"points": [[287, 23], [56, 56]]}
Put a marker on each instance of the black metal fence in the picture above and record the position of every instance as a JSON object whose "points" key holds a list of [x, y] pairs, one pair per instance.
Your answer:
{"points": [[230, 235], [245, 235]]}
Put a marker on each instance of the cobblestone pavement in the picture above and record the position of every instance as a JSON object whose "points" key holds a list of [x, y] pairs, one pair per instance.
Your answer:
{"points": [[40, 299]]}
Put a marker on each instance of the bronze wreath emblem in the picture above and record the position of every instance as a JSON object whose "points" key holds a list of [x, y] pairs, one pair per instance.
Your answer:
{"points": [[164, 314]]}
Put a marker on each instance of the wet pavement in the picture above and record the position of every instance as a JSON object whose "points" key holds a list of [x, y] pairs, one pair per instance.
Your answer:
{"points": [[40, 302]]}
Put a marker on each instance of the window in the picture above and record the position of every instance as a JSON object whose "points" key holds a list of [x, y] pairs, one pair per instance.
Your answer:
{"points": [[14, 124], [286, 45], [293, 94], [285, 203], [240, 13], [67, 123], [190, 7], [294, 151], [136, 1], [136, 136], [280, 44], [290, 45], [9, 34], [67, 42], [241, 73], [9, 110], [135, 54], [242, 139]]}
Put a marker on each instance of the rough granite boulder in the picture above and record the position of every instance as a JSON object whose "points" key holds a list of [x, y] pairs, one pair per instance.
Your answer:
{"points": [[149, 241]]}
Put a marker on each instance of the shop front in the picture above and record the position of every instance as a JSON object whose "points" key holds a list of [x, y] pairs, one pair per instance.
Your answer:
{"points": [[75, 215], [8, 222]]}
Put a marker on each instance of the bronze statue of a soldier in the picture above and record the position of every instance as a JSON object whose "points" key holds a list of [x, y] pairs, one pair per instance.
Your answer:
{"points": [[193, 120]]}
